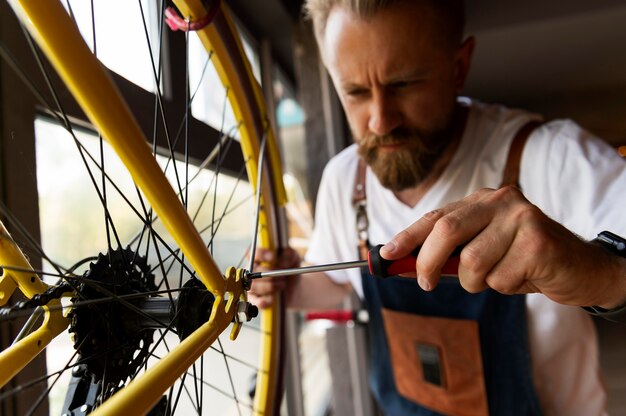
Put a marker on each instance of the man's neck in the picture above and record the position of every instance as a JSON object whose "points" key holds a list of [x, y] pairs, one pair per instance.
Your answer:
{"points": [[412, 196]]}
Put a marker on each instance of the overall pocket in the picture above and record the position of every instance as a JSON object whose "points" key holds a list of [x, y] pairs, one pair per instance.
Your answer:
{"points": [[437, 362]]}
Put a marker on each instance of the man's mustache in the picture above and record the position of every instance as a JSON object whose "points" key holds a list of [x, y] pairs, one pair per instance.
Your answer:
{"points": [[396, 137]]}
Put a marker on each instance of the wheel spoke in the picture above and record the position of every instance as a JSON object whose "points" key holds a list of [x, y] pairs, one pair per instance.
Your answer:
{"points": [[258, 202]]}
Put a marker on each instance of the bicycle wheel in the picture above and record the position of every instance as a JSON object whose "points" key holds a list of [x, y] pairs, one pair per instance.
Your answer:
{"points": [[152, 282]]}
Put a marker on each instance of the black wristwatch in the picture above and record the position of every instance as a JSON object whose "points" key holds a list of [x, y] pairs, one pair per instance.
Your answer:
{"points": [[616, 245]]}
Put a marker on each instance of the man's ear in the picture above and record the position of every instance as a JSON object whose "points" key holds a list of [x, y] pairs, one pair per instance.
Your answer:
{"points": [[463, 62]]}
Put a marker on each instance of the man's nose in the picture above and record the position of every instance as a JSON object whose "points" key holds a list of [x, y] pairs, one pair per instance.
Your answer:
{"points": [[384, 114]]}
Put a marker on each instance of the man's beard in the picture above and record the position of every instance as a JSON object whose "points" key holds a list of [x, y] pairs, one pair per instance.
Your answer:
{"points": [[411, 163]]}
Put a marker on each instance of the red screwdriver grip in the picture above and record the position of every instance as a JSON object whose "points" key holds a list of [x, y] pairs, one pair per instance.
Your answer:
{"points": [[382, 268]]}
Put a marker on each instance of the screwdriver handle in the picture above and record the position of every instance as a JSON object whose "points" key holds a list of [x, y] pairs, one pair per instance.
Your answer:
{"points": [[383, 268]]}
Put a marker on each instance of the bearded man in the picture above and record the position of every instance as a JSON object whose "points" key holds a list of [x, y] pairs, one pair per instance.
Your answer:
{"points": [[440, 347]]}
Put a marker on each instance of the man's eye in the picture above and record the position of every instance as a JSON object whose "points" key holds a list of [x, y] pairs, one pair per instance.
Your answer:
{"points": [[356, 92], [402, 84]]}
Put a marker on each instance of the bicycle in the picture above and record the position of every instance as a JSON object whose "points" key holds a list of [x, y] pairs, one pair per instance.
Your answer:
{"points": [[120, 303]]}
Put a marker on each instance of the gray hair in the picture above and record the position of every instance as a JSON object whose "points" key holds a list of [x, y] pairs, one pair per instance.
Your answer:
{"points": [[452, 13]]}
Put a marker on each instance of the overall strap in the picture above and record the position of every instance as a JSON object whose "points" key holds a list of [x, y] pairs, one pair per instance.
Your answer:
{"points": [[514, 158], [359, 202]]}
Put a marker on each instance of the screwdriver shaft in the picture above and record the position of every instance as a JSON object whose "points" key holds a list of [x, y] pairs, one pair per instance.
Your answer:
{"points": [[309, 269]]}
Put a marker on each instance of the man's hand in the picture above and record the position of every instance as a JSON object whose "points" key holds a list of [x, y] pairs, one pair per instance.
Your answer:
{"points": [[512, 247], [263, 290]]}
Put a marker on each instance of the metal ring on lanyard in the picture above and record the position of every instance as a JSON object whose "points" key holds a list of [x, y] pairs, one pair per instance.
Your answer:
{"points": [[359, 201]]}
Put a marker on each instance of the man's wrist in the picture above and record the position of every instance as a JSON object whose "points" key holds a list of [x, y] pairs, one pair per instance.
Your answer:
{"points": [[614, 306]]}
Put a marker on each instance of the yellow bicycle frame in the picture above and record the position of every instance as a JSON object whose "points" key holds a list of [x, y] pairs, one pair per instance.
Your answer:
{"points": [[91, 85], [15, 275]]}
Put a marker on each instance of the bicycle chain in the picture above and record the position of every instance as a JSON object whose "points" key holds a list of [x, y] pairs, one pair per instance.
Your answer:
{"points": [[41, 299]]}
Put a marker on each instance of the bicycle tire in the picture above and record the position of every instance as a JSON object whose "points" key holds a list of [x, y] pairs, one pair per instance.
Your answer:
{"points": [[248, 106]]}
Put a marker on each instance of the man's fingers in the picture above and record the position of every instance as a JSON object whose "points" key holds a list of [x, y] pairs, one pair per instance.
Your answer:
{"points": [[261, 301], [267, 285], [483, 253], [264, 256], [289, 259], [502, 247], [449, 232], [263, 290]]}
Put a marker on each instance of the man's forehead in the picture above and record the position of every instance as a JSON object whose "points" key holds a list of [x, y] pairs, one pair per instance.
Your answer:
{"points": [[398, 16], [386, 32]]}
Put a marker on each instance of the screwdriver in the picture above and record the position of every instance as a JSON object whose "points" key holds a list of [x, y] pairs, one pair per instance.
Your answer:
{"points": [[377, 265]]}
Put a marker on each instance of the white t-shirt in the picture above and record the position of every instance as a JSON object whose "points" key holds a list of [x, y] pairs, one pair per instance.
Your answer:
{"points": [[573, 177]]}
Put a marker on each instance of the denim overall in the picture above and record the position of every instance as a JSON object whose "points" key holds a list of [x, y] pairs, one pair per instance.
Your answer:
{"points": [[503, 338]]}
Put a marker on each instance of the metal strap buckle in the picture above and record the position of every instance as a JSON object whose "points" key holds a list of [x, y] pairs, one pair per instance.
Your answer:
{"points": [[362, 222]]}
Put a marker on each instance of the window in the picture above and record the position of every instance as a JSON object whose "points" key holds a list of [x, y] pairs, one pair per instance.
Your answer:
{"points": [[208, 94], [120, 35]]}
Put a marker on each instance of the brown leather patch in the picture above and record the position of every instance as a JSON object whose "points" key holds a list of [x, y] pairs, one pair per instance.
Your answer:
{"points": [[450, 346]]}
